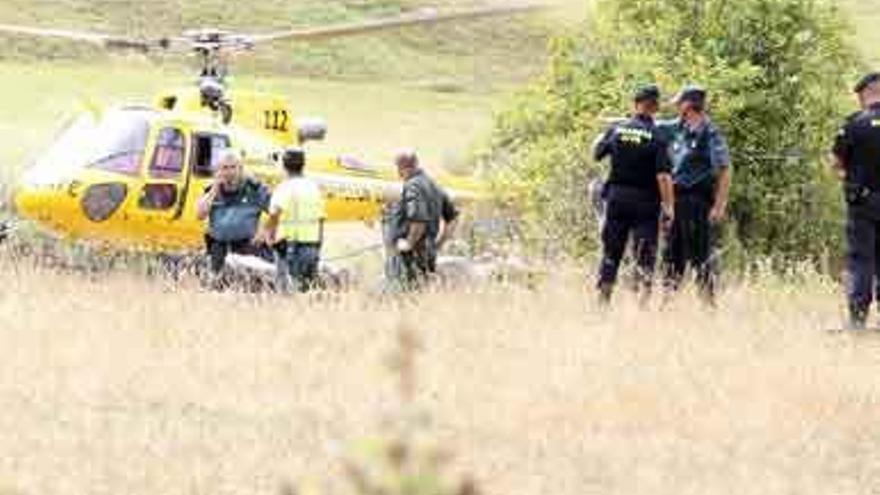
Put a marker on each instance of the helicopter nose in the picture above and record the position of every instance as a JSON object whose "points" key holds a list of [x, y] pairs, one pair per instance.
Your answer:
{"points": [[48, 205], [68, 206]]}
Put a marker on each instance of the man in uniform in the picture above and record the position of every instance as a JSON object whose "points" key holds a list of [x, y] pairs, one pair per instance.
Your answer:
{"points": [[701, 172], [232, 204], [296, 224], [422, 222], [857, 160], [639, 187]]}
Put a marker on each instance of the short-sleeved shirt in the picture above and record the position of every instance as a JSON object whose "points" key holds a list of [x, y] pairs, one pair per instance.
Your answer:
{"points": [[697, 155], [301, 206], [858, 147], [235, 215], [423, 201], [638, 154]]}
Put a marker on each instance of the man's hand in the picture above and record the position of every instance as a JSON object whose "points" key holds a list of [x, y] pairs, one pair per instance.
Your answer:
{"points": [[264, 237], [667, 218], [717, 213], [403, 246], [203, 206]]}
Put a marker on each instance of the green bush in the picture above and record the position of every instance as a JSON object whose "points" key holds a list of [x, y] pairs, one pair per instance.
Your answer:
{"points": [[778, 72]]}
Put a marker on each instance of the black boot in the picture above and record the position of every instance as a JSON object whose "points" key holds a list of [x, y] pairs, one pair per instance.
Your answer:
{"points": [[858, 317], [605, 291]]}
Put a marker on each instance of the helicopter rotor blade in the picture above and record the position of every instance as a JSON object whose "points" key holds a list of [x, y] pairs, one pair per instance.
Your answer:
{"points": [[99, 39], [423, 17]]}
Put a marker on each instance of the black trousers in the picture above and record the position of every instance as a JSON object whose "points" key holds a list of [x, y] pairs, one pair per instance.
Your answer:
{"points": [[217, 251], [629, 212], [862, 256], [690, 244], [299, 265]]}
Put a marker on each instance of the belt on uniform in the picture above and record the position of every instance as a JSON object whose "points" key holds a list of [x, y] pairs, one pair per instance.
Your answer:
{"points": [[633, 193], [290, 242], [701, 190]]}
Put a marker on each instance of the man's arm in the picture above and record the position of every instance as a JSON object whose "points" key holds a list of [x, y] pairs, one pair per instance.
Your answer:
{"points": [[264, 197], [839, 166], [449, 214], [667, 197], [602, 146], [665, 184], [269, 233], [415, 234], [841, 151], [722, 193], [416, 211], [720, 155], [203, 207]]}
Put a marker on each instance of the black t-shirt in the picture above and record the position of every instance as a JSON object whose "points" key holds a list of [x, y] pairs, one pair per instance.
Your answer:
{"points": [[638, 154], [858, 147]]}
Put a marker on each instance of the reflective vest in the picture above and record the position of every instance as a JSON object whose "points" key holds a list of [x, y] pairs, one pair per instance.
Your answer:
{"points": [[302, 209]]}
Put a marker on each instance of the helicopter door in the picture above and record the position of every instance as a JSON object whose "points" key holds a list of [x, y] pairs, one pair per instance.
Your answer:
{"points": [[163, 194], [207, 149]]}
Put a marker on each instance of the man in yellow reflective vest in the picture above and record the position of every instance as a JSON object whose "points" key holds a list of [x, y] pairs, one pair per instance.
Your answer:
{"points": [[296, 224]]}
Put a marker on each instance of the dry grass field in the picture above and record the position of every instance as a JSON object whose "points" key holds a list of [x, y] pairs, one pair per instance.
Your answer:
{"points": [[114, 385]]}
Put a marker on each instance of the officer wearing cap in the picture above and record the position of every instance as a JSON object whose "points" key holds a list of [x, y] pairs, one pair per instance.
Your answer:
{"points": [[701, 172], [857, 160], [296, 224], [638, 188]]}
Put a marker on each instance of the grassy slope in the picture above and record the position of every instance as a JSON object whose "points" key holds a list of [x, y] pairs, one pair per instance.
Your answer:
{"points": [[480, 53], [866, 15]]}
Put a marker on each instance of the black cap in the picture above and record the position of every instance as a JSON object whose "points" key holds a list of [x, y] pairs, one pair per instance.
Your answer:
{"points": [[293, 159], [649, 92], [691, 93], [866, 81]]}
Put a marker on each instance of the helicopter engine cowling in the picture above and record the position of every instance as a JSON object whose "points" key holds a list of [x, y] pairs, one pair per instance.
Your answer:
{"points": [[214, 97], [311, 129]]}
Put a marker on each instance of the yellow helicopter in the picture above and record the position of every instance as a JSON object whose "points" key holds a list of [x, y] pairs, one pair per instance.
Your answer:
{"points": [[130, 176]]}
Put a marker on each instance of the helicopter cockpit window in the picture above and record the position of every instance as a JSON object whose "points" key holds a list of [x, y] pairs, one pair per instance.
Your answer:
{"points": [[168, 155], [208, 149], [113, 141]]}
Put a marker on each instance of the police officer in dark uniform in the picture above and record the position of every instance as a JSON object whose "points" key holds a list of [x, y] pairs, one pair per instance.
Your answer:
{"points": [[701, 172], [639, 187], [857, 159], [423, 221]]}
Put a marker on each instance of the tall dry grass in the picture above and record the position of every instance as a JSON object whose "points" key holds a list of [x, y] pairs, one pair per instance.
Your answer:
{"points": [[118, 385]]}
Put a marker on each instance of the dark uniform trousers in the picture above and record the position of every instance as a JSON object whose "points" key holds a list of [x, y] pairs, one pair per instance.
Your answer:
{"points": [[301, 261], [218, 250], [629, 211], [862, 254], [221, 278], [690, 242]]}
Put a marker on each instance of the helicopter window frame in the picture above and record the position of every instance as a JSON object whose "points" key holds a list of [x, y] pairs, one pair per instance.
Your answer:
{"points": [[159, 196], [199, 168], [170, 147]]}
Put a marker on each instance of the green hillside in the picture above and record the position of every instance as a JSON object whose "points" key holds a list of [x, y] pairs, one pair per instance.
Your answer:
{"points": [[865, 15], [474, 54]]}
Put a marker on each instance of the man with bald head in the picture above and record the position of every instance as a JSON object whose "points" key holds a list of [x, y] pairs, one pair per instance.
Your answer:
{"points": [[424, 220], [857, 161], [232, 204]]}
